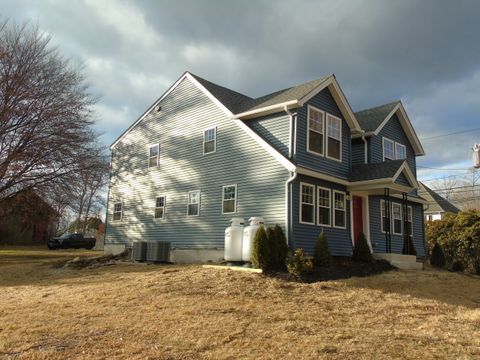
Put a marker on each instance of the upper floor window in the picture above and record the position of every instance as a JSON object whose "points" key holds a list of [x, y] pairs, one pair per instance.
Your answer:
{"points": [[153, 155], [400, 151], [334, 137], [388, 149], [117, 211], [315, 130], [339, 213], [229, 199], [160, 207], [210, 140], [307, 204], [324, 205], [193, 207]]}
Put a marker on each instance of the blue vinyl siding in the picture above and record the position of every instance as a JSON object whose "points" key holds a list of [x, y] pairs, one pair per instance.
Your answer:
{"points": [[323, 101], [377, 237], [274, 129], [393, 131], [304, 235], [358, 151], [178, 128], [402, 180]]}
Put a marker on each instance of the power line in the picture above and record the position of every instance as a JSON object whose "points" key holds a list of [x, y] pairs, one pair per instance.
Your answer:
{"points": [[434, 168], [449, 134], [447, 177]]}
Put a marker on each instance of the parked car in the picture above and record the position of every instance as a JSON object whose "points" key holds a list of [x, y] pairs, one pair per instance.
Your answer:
{"points": [[71, 241]]}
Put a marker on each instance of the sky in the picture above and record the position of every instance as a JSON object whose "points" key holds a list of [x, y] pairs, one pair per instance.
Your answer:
{"points": [[424, 52]]}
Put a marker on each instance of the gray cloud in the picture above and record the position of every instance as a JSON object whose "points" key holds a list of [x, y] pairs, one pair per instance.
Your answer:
{"points": [[424, 52]]}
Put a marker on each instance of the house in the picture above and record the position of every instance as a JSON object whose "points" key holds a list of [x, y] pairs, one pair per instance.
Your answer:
{"points": [[299, 157], [436, 206], [27, 218]]}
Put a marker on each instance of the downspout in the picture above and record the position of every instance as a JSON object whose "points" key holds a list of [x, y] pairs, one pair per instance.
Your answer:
{"points": [[365, 151], [293, 175]]}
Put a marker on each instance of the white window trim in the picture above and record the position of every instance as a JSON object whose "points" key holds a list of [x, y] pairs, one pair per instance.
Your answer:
{"points": [[300, 202], [319, 206], [308, 131], [121, 211], [410, 219], [344, 208], [214, 140], [164, 207], [199, 201], [158, 155], [393, 219], [326, 137], [236, 198], [404, 149], [384, 139], [382, 206]]}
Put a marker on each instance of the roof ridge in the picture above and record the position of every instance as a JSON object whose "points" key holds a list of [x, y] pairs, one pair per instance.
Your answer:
{"points": [[221, 86], [379, 106]]}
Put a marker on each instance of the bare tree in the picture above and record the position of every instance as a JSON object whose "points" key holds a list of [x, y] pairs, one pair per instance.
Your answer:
{"points": [[45, 114]]}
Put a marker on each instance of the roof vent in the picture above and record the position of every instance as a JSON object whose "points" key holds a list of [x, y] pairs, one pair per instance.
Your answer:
{"points": [[158, 108]]}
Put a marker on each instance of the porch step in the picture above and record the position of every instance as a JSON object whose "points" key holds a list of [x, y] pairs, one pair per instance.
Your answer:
{"points": [[404, 262]]}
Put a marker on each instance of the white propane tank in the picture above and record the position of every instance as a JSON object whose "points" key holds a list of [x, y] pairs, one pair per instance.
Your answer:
{"points": [[248, 236], [233, 240]]}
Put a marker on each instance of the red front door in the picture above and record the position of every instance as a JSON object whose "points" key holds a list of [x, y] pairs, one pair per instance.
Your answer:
{"points": [[357, 217]]}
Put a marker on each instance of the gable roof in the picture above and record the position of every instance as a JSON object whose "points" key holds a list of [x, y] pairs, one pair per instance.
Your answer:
{"points": [[374, 119], [436, 202], [387, 171]]}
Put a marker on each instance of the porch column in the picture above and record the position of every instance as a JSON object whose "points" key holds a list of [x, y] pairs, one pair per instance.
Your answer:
{"points": [[406, 243], [388, 239]]}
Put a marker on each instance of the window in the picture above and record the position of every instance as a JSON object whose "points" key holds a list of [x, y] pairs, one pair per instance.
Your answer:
{"points": [[154, 155], [193, 203], [400, 151], [324, 205], [409, 221], [160, 207], [307, 204], [210, 140], [315, 130], [339, 212], [383, 214], [388, 149], [229, 199], [334, 137], [117, 211], [397, 218]]}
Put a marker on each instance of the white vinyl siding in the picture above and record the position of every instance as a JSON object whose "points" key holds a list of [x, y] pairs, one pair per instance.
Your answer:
{"points": [[160, 204], [229, 199], [339, 209], [153, 155], [397, 218], [193, 206], [117, 211], [315, 130], [324, 202], [210, 140], [334, 138], [307, 204]]}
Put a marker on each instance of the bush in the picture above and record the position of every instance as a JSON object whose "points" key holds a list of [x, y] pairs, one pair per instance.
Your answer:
{"points": [[321, 255], [438, 257], [298, 265], [457, 265], [280, 249], [361, 250], [261, 249], [408, 246]]}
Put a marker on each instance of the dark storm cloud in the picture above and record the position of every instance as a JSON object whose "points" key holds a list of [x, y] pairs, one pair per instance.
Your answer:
{"points": [[424, 52]]}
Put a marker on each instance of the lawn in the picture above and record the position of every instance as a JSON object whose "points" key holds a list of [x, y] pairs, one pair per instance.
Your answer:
{"points": [[188, 312]]}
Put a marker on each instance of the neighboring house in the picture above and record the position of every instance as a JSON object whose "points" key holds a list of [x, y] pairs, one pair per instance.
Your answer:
{"points": [[26, 219], [436, 206], [299, 157]]}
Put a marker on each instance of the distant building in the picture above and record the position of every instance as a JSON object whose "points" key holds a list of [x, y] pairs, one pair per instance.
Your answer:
{"points": [[437, 206]]}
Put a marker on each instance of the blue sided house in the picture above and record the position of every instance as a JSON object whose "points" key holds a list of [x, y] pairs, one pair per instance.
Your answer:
{"points": [[298, 157]]}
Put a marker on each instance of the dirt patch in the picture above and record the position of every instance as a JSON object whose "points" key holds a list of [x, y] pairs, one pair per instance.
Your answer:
{"points": [[93, 262]]}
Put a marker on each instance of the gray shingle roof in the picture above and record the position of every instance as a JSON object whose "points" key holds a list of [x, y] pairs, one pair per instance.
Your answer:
{"points": [[436, 203], [370, 119], [381, 170], [238, 103]]}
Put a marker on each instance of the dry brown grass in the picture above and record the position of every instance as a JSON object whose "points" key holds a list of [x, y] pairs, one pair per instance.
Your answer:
{"points": [[187, 312]]}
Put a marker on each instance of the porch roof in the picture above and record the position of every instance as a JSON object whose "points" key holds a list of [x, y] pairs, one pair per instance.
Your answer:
{"points": [[383, 170]]}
